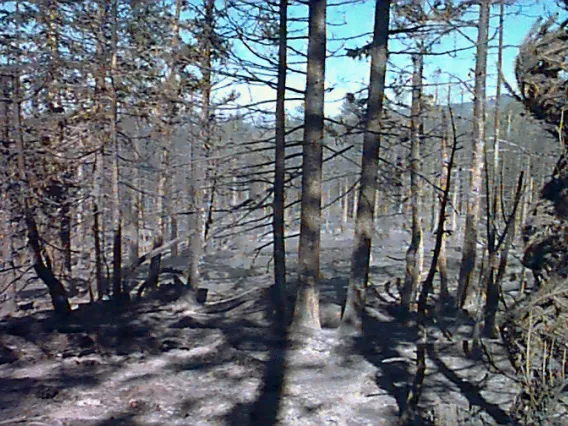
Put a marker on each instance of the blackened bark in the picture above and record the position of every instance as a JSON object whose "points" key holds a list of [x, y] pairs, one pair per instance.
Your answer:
{"points": [[155, 264], [44, 272], [65, 236], [307, 304], [413, 397], [211, 204], [493, 280], [117, 214], [415, 252], [174, 234], [98, 196], [99, 275], [198, 149], [444, 181], [364, 225], [493, 284], [468, 262], [279, 163]]}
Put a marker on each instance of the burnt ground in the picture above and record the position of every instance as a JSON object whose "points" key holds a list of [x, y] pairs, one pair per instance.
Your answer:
{"points": [[164, 360]]}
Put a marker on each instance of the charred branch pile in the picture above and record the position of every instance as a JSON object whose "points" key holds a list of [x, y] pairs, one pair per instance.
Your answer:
{"points": [[535, 331], [540, 70], [536, 336]]}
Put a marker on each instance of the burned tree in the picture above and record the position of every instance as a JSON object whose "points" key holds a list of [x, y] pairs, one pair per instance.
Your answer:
{"points": [[364, 225], [307, 304], [467, 268]]}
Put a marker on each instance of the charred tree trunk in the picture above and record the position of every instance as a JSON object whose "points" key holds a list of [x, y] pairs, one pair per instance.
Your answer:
{"points": [[99, 173], [415, 252], [492, 284], [211, 204], [364, 225], [174, 233], [44, 272], [467, 268], [156, 261], [163, 203], [497, 112], [151, 282], [96, 206], [493, 279], [306, 312], [117, 215], [408, 414], [345, 205], [65, 236], [444, 182], [279, 203], [198, 150]]}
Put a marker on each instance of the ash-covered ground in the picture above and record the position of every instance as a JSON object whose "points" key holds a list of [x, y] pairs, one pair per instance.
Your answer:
{"points": [[164, 360]]}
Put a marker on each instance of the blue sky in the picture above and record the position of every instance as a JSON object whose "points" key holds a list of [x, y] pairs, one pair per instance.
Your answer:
{"points": [[356, 20], [349, 75]]}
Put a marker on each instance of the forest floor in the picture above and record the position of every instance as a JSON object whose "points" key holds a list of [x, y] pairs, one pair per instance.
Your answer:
{"points": [[165, 361]]}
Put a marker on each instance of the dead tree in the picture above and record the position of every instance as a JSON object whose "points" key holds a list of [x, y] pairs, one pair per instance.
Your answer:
{"points": [[199, 148], [41, 265], [114, 142], [306, 312], [279, 202], [364, 224], [163, 204], [415, 252], [444, 185], [467, 268], [415, 390]]}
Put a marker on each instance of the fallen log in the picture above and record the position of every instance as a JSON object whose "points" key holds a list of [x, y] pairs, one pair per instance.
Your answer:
{"points": [[128, 270]]}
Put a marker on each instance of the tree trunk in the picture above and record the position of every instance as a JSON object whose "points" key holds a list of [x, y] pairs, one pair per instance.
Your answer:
{"points": [[415, 391], [156, 262], [398, 176], [444, 179], [65, 237], [151, 282], [355, 201], [453, 223], [117, 215], [504, 255], [163, 203], [415, 252], [345, 205], [138, 202], [198, 149], [497, 115], [174, 233], [96, 203], [467, 268], [493, 285], [364, 225], [57, 292], [306, 312], [99, 175], [44, 272], [210, 205], [378, 206], [280, 165]]}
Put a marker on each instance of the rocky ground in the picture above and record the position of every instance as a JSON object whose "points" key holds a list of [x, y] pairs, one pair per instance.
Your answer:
{"points": [[166, 361]]}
